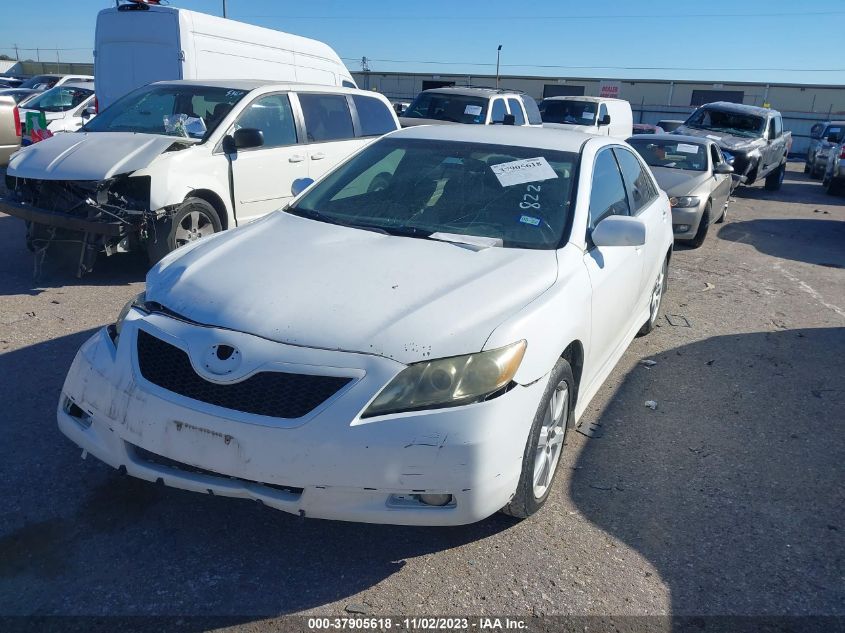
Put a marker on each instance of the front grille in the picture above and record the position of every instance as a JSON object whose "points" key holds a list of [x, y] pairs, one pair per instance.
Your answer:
{"points": [[160, 460], [271, 393]]}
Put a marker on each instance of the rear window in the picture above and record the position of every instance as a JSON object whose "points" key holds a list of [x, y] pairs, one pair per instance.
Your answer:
{"points": [[327, 117], [374, 117]]}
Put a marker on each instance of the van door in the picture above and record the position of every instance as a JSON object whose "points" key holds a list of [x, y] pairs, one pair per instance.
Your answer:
{"points": [[329, 132], [263, 176]]}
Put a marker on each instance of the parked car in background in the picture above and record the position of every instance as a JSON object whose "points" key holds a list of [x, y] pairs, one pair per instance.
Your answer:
{"points": [[695, 175], [173, 162], [399, 106], [10, 128], [63, 108], [647, 128], [834, 174], [823, 137], [20, 95], [754, 137], [478, 106], [137, 44], [670, 125], [440, 335], [45, 82], [10, 82], [594, 115]]}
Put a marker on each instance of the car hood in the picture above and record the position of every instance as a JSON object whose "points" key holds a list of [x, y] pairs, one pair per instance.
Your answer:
{"points": [[88, 155], [726, 141], [679, 182], [308, 283], [590, 129], [413, 121]]}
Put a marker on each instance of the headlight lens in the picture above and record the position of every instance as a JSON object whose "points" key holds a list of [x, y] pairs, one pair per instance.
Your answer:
{"points": [[138, 301], [448, 382], [684, 201]]}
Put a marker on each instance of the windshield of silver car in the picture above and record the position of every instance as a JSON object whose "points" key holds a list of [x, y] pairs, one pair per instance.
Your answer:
{"points": [[59, 99], [735, 123], [572, 112], [443, 106], [515, 197], [174, 110], [671, 154]]}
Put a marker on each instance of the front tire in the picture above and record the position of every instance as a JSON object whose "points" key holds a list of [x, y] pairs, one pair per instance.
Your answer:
{"points": [[545, 444], [703, 227], [775, 179], [658, 290], [193, 219]]}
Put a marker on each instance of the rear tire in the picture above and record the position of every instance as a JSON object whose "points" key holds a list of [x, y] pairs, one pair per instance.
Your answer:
{"points": [[834, 186], [703, 227], [193, 219], [661, 284], [544, 447], [808, 168], [775, 179]]}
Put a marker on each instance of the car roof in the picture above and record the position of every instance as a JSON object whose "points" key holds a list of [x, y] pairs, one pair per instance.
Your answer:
{"points": [[518, 135], [254, 84], [581, 98], [87, 85], [696, 140], [835, 123], [740, 108], [470, 91]]}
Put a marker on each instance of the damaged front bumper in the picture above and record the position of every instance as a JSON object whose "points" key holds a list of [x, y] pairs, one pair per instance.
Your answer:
{"points": [[328, 463]]}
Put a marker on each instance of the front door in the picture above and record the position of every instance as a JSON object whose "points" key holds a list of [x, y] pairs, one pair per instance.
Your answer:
{"points": [[722, 190]]}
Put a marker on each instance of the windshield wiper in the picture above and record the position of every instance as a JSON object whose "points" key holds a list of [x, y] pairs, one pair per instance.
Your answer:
{"points": [[313, 214]]}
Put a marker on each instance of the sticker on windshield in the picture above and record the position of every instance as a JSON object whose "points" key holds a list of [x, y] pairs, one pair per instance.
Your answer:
{"points": [[714, 137], [473, 110], [588, 115], [685, 148], [527, 219], [522, 171]]}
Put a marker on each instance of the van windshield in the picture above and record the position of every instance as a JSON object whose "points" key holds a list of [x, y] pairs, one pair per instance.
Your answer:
{"points": [[572, 112], [443, 106], [174, 110]]}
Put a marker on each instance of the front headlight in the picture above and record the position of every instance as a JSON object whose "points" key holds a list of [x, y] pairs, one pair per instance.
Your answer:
{"points": [[685, 201], [138, 301], [449, 382]]}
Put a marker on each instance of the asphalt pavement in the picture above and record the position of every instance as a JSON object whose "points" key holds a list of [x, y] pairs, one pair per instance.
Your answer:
{"points": [[727, 499]]}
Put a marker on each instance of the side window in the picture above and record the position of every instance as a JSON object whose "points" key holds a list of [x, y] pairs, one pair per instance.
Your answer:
{"points": [[532, 110], [327, 117], [348, 84], [816, 131], [637, 180], [602, 112], [607, 196], [771, 129], [374, 116], [716, 155], [497, 114], [271, 114], [778, 126], [516, 111]]}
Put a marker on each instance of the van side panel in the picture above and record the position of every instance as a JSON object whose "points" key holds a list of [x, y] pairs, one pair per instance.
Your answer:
{"points": [[134, 48]]}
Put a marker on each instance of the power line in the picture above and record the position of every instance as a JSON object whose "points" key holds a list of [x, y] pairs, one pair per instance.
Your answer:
{"points": [[565, 66]]}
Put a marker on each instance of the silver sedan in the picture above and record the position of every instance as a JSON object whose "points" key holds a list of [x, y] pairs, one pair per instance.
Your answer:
{"points": [[696, 176]]}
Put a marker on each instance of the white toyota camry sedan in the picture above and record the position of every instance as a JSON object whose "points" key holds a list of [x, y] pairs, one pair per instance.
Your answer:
{"points": [[407, 342]]}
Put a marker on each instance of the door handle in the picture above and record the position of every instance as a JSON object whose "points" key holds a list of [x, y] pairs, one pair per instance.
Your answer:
{"points": [[318, 156], [296, 158]]}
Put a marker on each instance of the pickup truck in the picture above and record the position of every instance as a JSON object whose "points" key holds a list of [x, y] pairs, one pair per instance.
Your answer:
{"points": [[10, 128], [754, 138]]}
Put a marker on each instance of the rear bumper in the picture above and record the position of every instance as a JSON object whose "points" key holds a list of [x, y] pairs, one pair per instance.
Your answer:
{"points": [[62, 220]]}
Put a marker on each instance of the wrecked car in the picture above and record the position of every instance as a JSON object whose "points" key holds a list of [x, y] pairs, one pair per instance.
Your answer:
{"points": [[753, 136], [445, 305], [174, 162]]}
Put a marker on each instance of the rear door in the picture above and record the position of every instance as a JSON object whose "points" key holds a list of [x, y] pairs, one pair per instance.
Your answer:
{"points": [[328, 129], [263, 176]]}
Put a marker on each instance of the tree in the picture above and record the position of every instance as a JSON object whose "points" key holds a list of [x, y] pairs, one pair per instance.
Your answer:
{"points": [[6, 58]]}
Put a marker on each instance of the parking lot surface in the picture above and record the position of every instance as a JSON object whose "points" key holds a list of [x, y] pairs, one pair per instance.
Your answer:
{"points": [[725, 499]]}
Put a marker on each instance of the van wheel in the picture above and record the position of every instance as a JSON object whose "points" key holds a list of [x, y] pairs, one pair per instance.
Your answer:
{"points": [[193, 219], [703, 227], [545, 444], [775, 179]]}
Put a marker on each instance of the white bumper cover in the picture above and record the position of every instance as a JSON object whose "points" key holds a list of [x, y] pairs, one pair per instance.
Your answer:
{"points": [[327, 464]]}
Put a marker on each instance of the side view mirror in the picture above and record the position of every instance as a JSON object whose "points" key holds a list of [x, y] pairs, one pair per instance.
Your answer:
{"points": [[723, 168], [244, 138], [605, 120], [88, 112], [619, 230], [509, 120], [300, 184]]}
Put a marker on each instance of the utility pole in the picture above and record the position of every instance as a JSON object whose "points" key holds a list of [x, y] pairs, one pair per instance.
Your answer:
{"points": [[224, 8], [17, 57], [498, 54], [57, 61], [365, 68]]}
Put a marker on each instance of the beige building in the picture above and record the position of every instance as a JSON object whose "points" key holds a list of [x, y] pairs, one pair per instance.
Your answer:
{"points": [[651, 99]]}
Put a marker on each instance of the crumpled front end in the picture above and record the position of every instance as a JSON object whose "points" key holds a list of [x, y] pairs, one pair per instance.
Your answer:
{"points": [[189, 418]]}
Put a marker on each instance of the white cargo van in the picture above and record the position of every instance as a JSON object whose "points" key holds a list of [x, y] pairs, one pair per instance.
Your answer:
{"points": [[137, 44], [594, 115]]}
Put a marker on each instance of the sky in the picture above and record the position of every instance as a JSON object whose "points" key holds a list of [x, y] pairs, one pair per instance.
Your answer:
{"points": [[781, 41]]}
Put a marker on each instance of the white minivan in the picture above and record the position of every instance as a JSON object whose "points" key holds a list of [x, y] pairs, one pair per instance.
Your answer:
{"points": [[594, 115], [175, 161], [137, 44]]}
